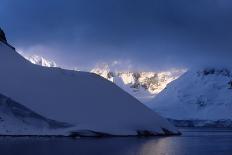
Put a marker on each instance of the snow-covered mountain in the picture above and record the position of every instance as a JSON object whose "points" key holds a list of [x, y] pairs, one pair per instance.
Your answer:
{"points": [[16, 119], [35, 59], [199, 98], [87, 101], [142, 85]]}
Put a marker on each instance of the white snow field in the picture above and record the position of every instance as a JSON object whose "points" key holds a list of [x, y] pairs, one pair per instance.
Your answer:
{"points": [[200, 94], [85, 100]]}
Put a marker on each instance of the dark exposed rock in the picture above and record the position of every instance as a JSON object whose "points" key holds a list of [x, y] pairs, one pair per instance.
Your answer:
{"points": [[110, 75], [230, 84], [89, 133], [140, 133], [2, 36], [210, 71], [170, 133], [4, 40], [145, 133], [222, 123]]}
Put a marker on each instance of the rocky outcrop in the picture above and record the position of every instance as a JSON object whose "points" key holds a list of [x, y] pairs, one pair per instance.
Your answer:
{"points": [[2, 36], [4, 40], [221, 123]]}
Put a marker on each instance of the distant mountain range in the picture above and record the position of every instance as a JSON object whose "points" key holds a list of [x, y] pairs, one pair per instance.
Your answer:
{"points": [[142, 85]]}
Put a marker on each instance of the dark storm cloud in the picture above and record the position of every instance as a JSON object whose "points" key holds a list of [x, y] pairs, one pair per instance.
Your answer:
{"points": [[148, 33]]}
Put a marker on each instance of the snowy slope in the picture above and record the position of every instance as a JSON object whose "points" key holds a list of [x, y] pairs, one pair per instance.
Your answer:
{"points": [[142, 85], [16, 119], [84, 99], [204, 94]]}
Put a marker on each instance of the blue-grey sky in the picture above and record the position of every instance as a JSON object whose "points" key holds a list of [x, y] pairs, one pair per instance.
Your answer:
{"points": [[144, 34]]}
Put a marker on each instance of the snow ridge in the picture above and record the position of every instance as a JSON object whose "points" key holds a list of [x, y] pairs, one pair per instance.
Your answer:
{"points": [[38, 60]]}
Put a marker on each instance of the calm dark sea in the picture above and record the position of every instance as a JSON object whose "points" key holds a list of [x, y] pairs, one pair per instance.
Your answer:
{"points": [[192, 142]]}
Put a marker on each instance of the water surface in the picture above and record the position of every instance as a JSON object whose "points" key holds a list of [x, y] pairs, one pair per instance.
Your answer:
{"points": [[192, 142]]}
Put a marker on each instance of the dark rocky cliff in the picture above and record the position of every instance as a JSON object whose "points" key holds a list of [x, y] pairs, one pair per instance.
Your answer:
{"points": [[3, 39], [2, 36]]}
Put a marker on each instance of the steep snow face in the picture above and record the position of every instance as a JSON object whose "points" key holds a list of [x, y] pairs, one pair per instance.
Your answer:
{"points": [[16, 119], [83, 99], [35, 59], [204, 94], [142, 85]]}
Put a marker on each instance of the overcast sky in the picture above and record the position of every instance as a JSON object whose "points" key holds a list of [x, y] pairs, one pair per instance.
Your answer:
{"points": [[141, 34]]}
